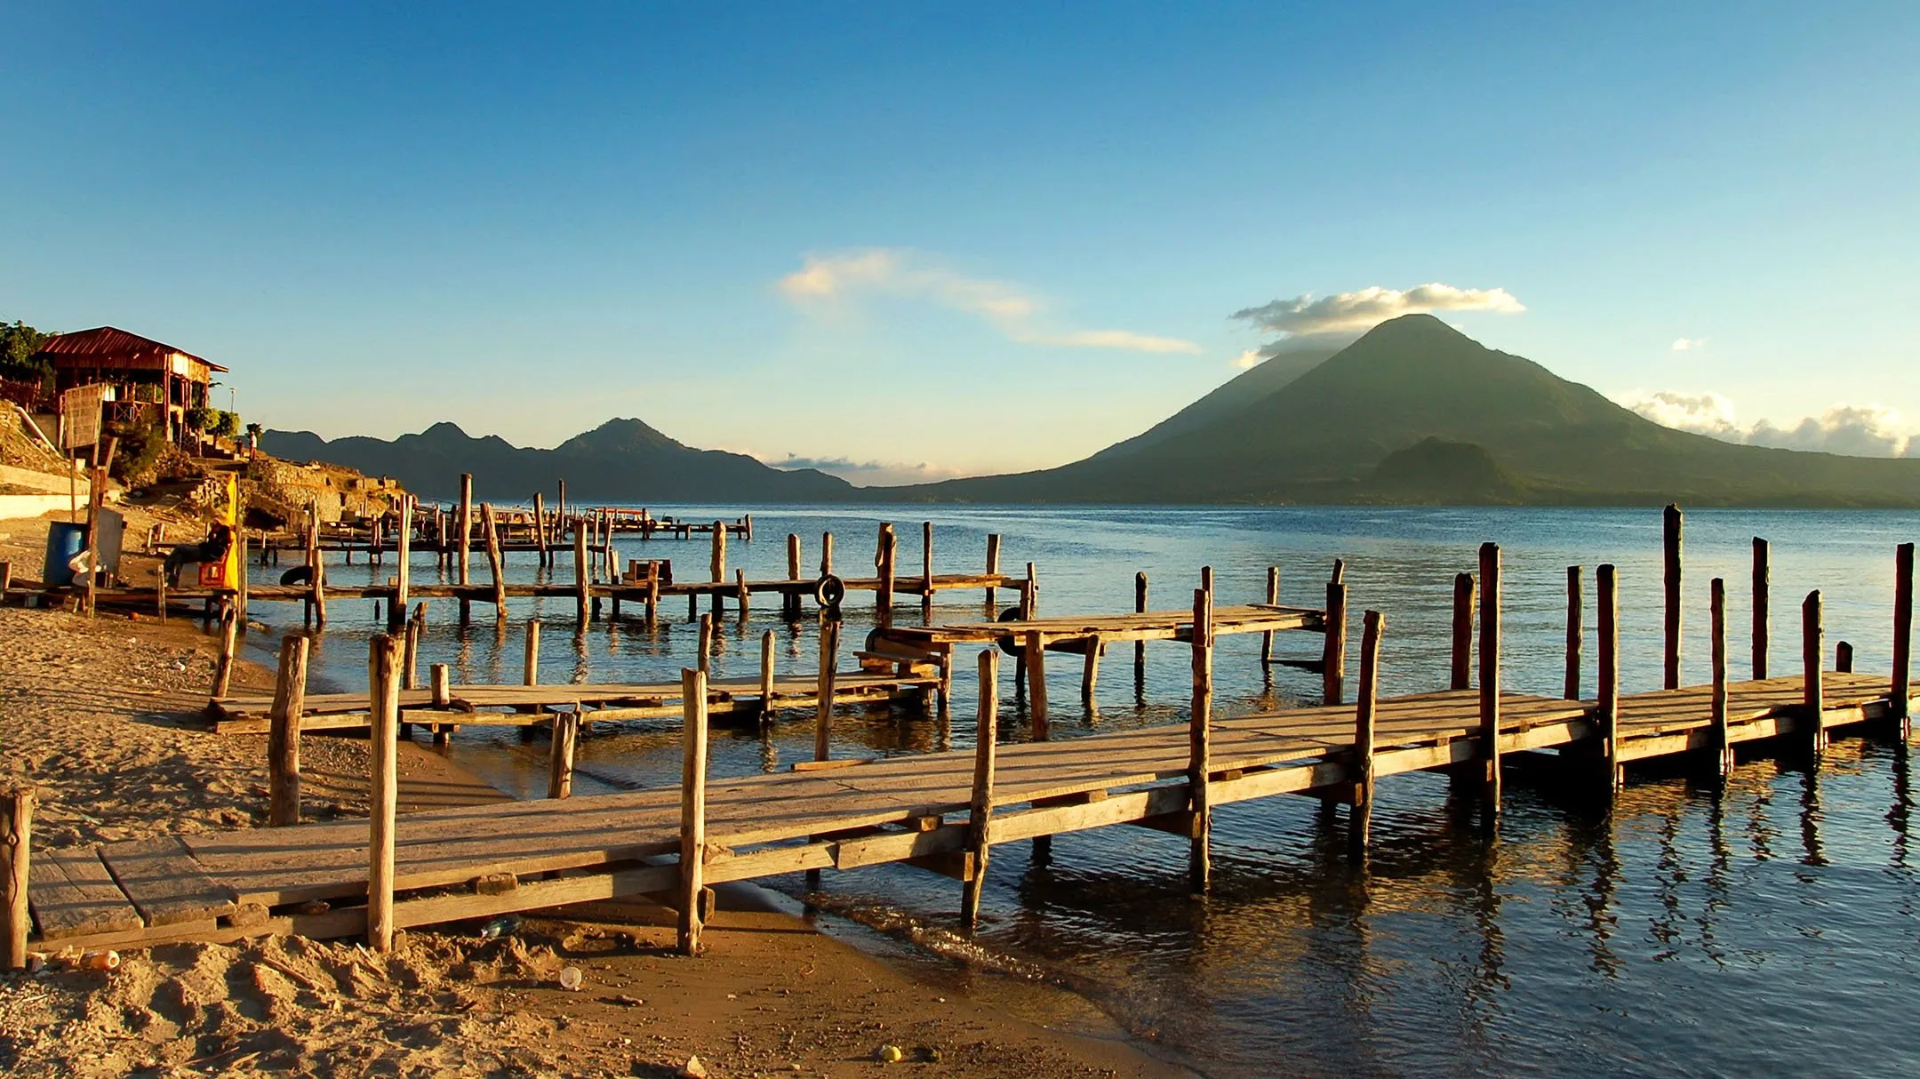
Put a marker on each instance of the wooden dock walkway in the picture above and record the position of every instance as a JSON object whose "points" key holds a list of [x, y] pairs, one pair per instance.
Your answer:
{"points": [[466, 863]]}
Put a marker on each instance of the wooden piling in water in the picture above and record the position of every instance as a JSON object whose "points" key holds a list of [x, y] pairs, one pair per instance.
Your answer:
{"points": [[823, 701], [790, 601], [1200, 742], [1812, 658], [540, 528], [1490, 673], [494, 568], [1035, 653], [1333, 652], [530, 664], [16, 869], [1843, 657], [582, 593], [826, 554], [403, 564], [766, 678], [1576, 632], [1722, 737], [980, 806], [926, 569], [1360, 825], [566, 731], [283, 733], [704, 653], [742, 596], [383, 787], [883, 561], [1139, 607], [1672, 524], [993, 566], [1606, 582], [1266, 639], [1762, 584], [1898, 695], [718, 560], [693, 808], [464, 528]]}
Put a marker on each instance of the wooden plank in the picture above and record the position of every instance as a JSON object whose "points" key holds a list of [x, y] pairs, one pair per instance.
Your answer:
{"points": [[1672, 524], [73, 894], [164, 882]]}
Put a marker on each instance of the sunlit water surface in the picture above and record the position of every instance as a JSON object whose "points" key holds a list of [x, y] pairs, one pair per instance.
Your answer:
{"points": [[1767, 929]]}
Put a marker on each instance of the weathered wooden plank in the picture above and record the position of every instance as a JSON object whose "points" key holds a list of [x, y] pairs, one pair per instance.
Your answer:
{"points": [[73, 894], [164, 882]]}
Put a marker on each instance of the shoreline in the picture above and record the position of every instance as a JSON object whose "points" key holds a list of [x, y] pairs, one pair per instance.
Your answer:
{"points": [[100, 719]]}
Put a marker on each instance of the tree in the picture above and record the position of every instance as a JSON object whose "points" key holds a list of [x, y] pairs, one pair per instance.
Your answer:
{"points": [[226, 424], [18, 343], [199, 418]]}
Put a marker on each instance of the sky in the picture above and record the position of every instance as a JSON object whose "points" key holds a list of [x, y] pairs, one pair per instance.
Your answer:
{"points": [[920, 240]]}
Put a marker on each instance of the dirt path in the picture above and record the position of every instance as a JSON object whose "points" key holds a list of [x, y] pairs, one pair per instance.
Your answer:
{"points": [[100, 717]]}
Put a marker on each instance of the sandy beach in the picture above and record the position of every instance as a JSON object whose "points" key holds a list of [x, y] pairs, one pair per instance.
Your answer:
{"points": [[102, 718]]}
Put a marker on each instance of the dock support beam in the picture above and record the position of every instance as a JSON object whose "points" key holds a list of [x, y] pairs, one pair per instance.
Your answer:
{"points": [[383, 788], [1139, 607], [1813, 658], [693, 808], [926, 565], [766, 679], [566, 732], [1576, 632], [1722, 738], [1902, 638], [530, 665], [464, 527], [1266, 639], [1762, 584], [1463, 600], [1607, 582], [980, 808], [403, 565], [283, 733], [993, 567], [823, 706], [1490, 674], [1360, 825], [16, 851], [1672, 524], [1199, 741], [883, 561], [1333, 652]]}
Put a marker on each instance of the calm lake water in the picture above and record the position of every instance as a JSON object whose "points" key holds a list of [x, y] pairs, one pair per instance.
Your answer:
{"points": [[1770, 928]]}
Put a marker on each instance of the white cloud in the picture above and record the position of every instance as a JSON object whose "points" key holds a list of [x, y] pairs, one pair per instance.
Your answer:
{"points": [[848, 276], [1248, 359], [869, 473], [1853, 430], [1334, 321], [1689, 344]]}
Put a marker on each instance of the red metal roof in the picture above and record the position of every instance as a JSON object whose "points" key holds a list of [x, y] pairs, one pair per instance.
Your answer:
{"points": [[116, 348]]}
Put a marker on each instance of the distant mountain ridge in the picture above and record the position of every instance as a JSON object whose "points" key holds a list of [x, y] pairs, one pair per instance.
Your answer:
{"points": [[1417, 412], [621, 460]]}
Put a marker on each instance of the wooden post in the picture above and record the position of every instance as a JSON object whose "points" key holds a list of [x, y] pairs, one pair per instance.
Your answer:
{"points": [[566, 731], [926, 569], [1576, 632], [1090, 668], [1360, 826], [1843, 657], [1608, 714], [6, 579], [719, 560], [239, 577], [229, 640], [1463, 601], [1199, 745], [540, 528], [440, 679], [560, 509], [1333, 653], [16, 850], [1898, 697], [465, 526], [1722, 737], [993, 566], [823, 703], [1036, 656], [283, 733], [883, 561], [693, 807], [494, 568], [766, 678], [790, 601], [383, 788], [1030, 595], [742, 598], [410, 663], [582, 593], [1266, 638], [704, 657], [1812, 655], [1140, 607], [1490, 671], [980, 808], [1762, 574], [826, 554], [318, 584], [1671, 537], [403, 566], [530, 667]]}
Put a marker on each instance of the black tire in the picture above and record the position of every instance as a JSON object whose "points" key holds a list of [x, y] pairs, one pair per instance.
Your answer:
{"points": [[1007, 645], [297, 575], [829, 591]]}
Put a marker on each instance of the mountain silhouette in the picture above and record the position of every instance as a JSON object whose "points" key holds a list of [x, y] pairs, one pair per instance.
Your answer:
{"points": [[622, 460]]}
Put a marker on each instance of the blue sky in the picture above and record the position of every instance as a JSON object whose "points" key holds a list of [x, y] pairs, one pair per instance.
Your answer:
{"points": [[972, 237]]}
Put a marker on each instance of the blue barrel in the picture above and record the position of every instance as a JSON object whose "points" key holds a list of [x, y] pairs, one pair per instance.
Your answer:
{"points": [[64, 541]]}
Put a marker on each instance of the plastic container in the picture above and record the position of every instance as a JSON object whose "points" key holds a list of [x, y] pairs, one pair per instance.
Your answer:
{"points": [[64, 541]]}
